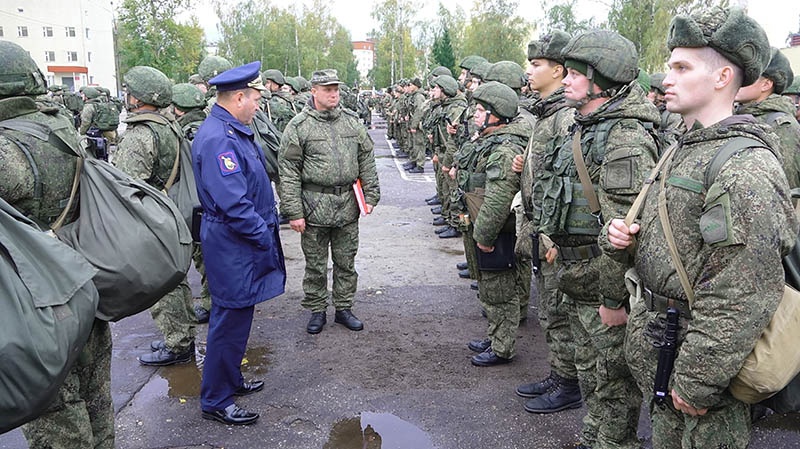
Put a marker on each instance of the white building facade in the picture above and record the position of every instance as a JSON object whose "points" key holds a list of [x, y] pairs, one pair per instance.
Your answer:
{"points": [[364, 52], [72, 41]]}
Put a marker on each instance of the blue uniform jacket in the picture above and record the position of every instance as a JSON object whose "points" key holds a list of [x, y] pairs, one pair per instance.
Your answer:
{"points": [[239, 232]]}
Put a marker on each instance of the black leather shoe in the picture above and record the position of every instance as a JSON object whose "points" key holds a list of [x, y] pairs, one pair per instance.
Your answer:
{"points": [[489, 358], [249, 388], [318, 319], [450, 233], [436, 210], [434, 197], [463, 274], [537, 388], [442, 229], [416, 169], [433, 202], [201, 315], [439, 221], [349, 320], [462, 266], [236, 417], [473, 285], [165, 357], [480, 346], [409, 164]]}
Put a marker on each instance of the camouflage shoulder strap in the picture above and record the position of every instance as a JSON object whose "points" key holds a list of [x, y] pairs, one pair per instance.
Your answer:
{"points": [[725, 152]]}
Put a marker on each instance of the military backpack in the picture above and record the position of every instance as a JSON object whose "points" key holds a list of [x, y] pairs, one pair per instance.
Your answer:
{"points": [[106, 116]]}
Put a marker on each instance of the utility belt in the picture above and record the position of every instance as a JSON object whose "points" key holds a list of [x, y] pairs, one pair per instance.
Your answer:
{"points": [[583, 252], [334, 190], [653, 302]]}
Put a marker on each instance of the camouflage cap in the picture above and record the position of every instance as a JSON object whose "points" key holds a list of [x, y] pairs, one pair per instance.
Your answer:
{"points": [[793, 88], [212, 66], [149, 85], [498, 98], [471, 61], [186, 96], [19, 74], [549, 46], [507, 72], [728, 31], [779, 71], [606, 52], [104, 90], [447, 83], [325, 77], [480, 69], [657, 82], [273, 75]]}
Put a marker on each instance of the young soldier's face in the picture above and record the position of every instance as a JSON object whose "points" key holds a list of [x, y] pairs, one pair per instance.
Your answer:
{"points": [[753, 92], [436, 93], [576, 85], [540, 74], [689, 84]]}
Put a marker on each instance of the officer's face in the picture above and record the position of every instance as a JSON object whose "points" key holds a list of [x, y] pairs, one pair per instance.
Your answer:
{"points": [[325, 97], [248, 105]]}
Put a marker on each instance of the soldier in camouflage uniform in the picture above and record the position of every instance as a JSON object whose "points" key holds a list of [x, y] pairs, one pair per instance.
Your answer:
{"points": [[793, 92], [733, 258], [672, 126], [416, 136], [210, 67], [615, 135], [489, 186], [324, 150], [147, 151], [763, 100], [280, 108], [466, 65], [82, 414], [91, 115], [558, 391]]}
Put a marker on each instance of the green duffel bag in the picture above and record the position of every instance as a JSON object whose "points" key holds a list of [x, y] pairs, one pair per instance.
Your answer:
{"points": [[46, 314]]}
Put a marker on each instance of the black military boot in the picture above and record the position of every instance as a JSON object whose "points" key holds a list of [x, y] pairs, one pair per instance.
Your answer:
{"points": [[317, 321], [565, 393], [349, 320], [536, 388]]}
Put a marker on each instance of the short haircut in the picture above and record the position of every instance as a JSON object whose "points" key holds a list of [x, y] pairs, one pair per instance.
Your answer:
{"points": [[715, 60], [228, 94]]}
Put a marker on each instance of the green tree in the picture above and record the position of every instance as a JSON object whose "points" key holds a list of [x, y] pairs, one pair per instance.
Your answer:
{"points": [[496, 32], [149, 35], [561, 16], [443, 54], [394, 48]]}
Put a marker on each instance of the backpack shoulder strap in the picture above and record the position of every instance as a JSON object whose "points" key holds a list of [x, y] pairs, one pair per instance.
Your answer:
{"points": [[725, 152]]}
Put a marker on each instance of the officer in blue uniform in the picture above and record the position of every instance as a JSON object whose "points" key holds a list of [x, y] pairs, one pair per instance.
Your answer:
{"points": [[239, 238]]}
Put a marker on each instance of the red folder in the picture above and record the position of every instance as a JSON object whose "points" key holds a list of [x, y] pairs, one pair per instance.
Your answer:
{"points": [[362, 202]]}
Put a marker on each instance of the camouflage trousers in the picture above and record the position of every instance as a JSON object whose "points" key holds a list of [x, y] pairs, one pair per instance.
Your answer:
{"points": [[343, 245], [444, 188], [555, 314], [174, 317], [725, 426], [609, 390], [470, 251], [200, 266], [500, 294], [417, 147], [82, 416]]}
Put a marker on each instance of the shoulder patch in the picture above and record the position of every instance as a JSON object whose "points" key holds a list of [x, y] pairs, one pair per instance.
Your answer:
{"points": [[228, 164]]}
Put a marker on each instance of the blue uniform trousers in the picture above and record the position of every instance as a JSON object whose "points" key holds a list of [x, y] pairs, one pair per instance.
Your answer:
{"points": [[228, 331]]}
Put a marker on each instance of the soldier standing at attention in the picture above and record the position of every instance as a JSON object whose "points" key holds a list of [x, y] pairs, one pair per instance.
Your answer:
{"points": [[614, 139], [280, 108], [731, 236], [324, 150], [147, 151], [82, 414]]}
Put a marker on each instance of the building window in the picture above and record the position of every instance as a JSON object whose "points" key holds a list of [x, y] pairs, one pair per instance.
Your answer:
{"points": [[91, 79], [70, 31], [47, 31], [50, 56], [87, 34], [72, 56], [88, 56], [22, 31], [50, 80]]}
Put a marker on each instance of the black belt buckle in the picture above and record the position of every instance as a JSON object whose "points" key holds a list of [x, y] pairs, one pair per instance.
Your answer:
{"points": [[337, 190]]}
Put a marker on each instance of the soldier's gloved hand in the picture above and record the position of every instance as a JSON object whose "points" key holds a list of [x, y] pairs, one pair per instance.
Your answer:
{"points": [[517, 163]]}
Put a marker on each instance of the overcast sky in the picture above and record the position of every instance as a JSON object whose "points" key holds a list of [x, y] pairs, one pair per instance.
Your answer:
{"points": [[778, 17]]}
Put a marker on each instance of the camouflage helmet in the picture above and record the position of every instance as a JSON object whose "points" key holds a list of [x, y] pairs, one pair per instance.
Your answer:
{"points": [[471, 61], [607, 53], [498, 98], [212, 66], [149, 85], [273, 75], [186, 96], [55, 88], [794, 88], [294, 83], [480, 69], [507, 72], [305, 85], [779, 71], [728, 31], [196, 79], [19, 74], [657, 82], [438, 71], [447, 83], [104, 90], [549, 46], [91, 92]]}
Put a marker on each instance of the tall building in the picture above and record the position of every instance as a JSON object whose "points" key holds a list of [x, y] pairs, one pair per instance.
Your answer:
{"points": [[72, 41], [364, 51]]}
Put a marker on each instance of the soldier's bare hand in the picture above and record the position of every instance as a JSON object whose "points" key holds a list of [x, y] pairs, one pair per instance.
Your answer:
{"points": [[517, 163], [453, 172], [613, 317], [619, 235], [298, 225], [435, 159], [684, 406], [445, 169], [550, 255], [484, 248], [451, 129]]}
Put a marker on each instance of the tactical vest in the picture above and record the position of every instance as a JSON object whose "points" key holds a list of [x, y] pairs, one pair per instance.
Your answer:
{"points": [[47, 143], [471, 174], [106, 116], [167, 142]]}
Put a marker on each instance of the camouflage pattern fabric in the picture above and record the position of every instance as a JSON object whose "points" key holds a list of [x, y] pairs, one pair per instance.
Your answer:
{"points": [[174, 317], [733, 264], [83, 414], [280, 110], [499, 296], [343, 244], [555, 314], [417, 107]]}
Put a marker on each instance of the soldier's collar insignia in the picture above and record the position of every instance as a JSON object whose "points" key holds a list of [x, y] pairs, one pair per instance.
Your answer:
{"points": [[228, 164]]}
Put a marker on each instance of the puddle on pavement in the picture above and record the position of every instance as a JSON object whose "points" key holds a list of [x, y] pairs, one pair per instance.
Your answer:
{"points": [[456, 252], [376, 431], [183, 381]]}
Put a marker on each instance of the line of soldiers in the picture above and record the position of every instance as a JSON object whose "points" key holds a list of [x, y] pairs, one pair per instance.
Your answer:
{"points": [[509, 147]]}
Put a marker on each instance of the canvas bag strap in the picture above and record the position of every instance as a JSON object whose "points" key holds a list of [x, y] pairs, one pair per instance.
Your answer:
{"points": [[638, 203], [174, 173], [75, 183], [583, 174]]}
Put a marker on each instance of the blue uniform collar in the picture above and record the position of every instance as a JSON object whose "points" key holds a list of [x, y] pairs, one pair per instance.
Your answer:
{"points": [[222, 114]]}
